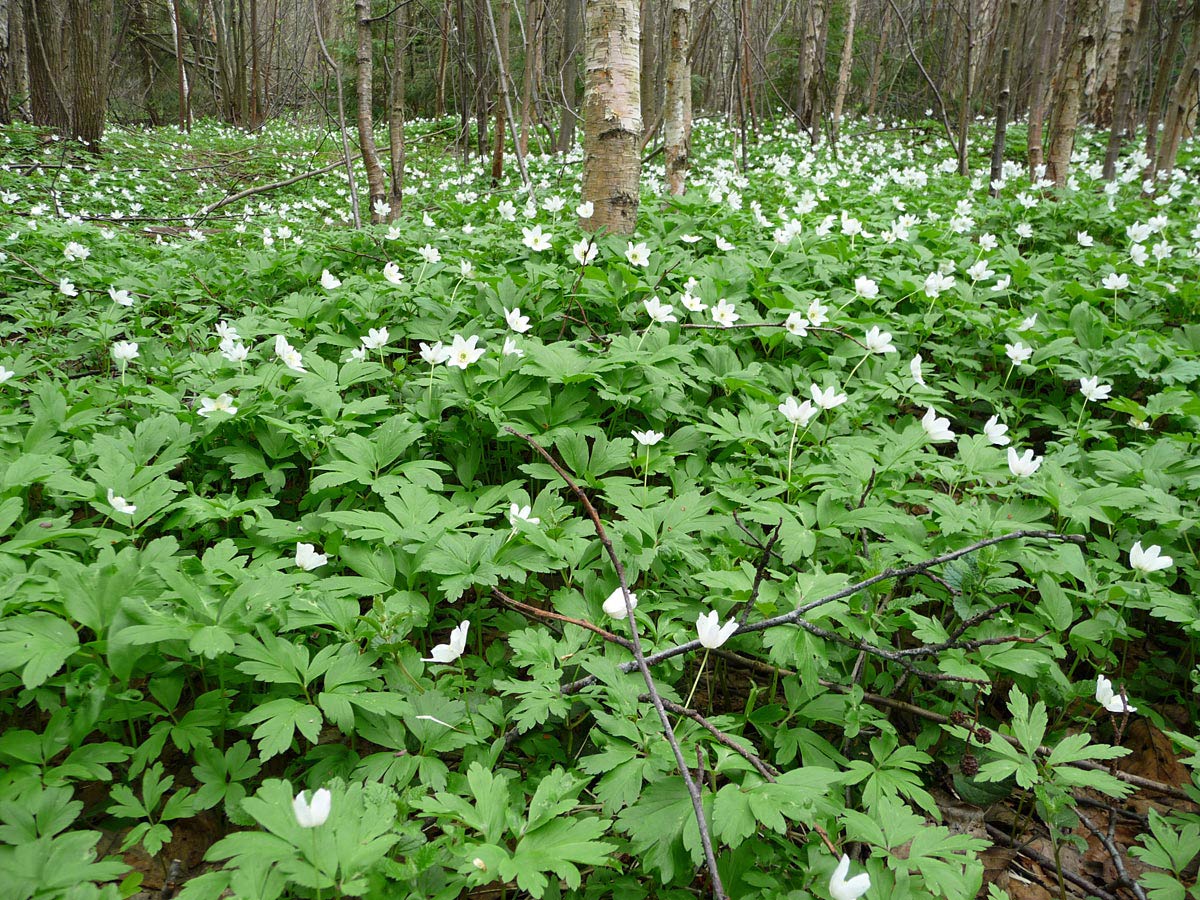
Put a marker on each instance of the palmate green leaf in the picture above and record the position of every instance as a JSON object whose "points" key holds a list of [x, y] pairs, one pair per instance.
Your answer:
{"points": [[1028, 725], [41, 812], [466, 561], [538, 701], [555, 795], [559, 847], [662, 827], [277, 722], [37, 644], [55, 866], [1075, 747]]}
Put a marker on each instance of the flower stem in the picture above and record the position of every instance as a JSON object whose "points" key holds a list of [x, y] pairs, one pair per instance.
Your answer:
{"points": [[462, 666], [314, 861], [856, 365], [695, 684], [791, 448]]}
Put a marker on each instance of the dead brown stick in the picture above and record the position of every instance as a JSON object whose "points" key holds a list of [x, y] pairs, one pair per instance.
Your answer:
{"points": [[640, 659]]}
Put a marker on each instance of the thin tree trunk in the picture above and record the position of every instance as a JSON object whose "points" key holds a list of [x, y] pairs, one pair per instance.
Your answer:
{"points": [[1081, 36], [6, 88], [964, 106], [1037, 88], [501, 38], [464, 112], [185, 106], [439, 101], [352, 182], [612, 115], [1183, 99], [843, 78], [502, 61], [396, 116], [572, 33], [366, 124], [534, 16], [1108, 65], [1003, 95], [677, 130], [877, 62], [651, 13], [483, 88], [1126, 76], [255, 73], [1161, 80]]}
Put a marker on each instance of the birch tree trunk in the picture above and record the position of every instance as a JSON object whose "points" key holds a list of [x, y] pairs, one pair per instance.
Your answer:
{"points": [[677, 129], [1079, 39], [365, 93], [1037, 89], [612, 114], [1108, 67], [812, 49], [1118, 110], [843, 79], [181, 77], [396, 112], [877, 62]]}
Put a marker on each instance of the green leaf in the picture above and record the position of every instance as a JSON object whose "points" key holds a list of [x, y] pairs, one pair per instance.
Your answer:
{"points": [[38, 644]]}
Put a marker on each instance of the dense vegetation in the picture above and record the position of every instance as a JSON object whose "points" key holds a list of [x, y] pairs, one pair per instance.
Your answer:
{"points": [[276, 517]]}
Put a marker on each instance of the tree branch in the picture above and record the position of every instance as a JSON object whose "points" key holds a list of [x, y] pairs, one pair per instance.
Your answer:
{"points": [[640, 663]]}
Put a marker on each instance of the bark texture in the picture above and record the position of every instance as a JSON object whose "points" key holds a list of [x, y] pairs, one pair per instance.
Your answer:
{"points": [[843, 79], [1184, 97], [612, 114], [572, 38], [91, 27], [1068, 87], [1118, 111], [677, 126], [365, 93], [396, 116]]}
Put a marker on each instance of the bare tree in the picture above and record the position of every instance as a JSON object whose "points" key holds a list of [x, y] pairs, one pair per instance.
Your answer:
{"points": [[396, 115], [1043, 56], [843, 78], [1118, 111], [181, 76], [1162, 80], [677, 130], [365, 82], [569, 68], [1182, 102], [1003, 93], [534, 27], [612, 114], [1068, 86]]}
